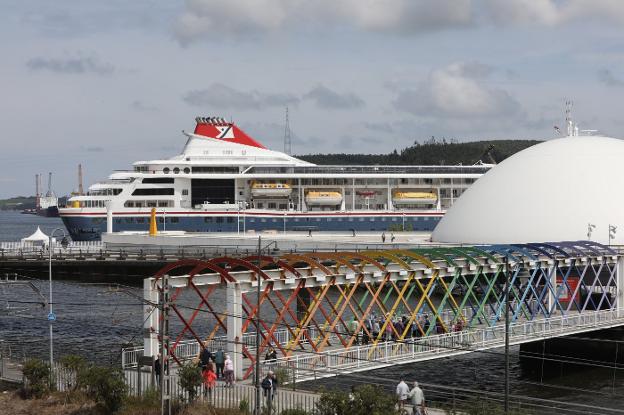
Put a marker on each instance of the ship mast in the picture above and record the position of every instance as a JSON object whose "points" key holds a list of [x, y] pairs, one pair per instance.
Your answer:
{"points": [[287, 137]]}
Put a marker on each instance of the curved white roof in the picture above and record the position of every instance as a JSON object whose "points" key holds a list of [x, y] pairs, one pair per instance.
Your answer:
{"points": [[548, 192], [38, 236]]}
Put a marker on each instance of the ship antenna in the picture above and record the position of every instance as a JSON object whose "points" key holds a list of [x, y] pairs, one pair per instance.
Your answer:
{"points": [[571, 128], [287, 137]]}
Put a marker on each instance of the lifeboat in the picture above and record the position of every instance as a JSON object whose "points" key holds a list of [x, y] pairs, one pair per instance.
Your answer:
{"points": [[271, 190], [409, 197], [323, 198]]}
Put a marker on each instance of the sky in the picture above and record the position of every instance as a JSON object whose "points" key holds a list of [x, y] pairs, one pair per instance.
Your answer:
{"points": [[107, 83]]}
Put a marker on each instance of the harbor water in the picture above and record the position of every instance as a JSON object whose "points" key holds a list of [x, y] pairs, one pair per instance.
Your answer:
{"points": [[96, 320]]}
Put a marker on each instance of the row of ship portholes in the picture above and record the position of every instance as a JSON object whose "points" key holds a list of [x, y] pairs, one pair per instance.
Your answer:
{"points": [[176, 170]]}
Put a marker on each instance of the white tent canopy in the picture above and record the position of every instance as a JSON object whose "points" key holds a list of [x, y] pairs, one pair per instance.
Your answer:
{"points": [[37, 238]]}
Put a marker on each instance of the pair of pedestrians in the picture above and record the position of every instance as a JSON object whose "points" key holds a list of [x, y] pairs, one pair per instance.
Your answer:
{"points": [[415, 395]]}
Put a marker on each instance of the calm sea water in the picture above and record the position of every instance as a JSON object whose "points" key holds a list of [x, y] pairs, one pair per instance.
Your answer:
{"points": [[95, 320]]}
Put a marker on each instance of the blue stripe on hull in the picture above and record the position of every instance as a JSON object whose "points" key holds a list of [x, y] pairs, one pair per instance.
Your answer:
{"points": [[83, 228]]}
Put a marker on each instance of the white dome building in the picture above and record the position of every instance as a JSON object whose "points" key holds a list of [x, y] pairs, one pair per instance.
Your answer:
{"points": [[549, 192]]}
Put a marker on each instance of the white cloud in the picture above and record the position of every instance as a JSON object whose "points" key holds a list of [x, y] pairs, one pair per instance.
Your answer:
{"points": [[216, 18], [457, 92], [219, 96], [553, 12], [326, 98]]}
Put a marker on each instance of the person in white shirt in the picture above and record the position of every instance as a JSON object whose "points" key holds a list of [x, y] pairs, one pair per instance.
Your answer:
{"points": [[418, 400], [402, 391], [228, 371]]}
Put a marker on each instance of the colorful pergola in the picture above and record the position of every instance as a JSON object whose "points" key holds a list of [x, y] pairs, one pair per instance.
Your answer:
{"points": [[318, 301]]}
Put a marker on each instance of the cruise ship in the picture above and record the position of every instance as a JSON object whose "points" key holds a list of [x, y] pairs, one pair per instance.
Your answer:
{"points": [[226, 181]]}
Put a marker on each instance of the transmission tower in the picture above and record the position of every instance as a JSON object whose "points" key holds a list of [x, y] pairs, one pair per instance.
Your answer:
{"points": [[287, 138]]}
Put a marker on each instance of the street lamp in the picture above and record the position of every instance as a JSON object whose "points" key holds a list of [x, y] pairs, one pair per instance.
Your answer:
{"points": [[51, 315], [590, 229], [612, 231]]}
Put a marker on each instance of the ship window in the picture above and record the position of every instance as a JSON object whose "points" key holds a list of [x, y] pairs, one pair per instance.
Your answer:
{"points": [[161, 219], [129, 220], [318, 219], [372, 219], [426, 218], [151, 203], [272, 205], [175, 219], [274, 220], [176, 170], [262, 220], [350, 219], [207, 220], [252, 220], [283, 206], [361, 219], [329, 219], [383, 219], [140, 220], [394, 219], [158, 180], [260, 205], [187, 170], [156, 191], [166, 170], [184, 192], [339, 219], [219, 220], [118, 220], [296, 219], [230, 220]]}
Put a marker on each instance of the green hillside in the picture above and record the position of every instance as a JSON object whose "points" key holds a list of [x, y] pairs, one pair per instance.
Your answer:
{"points": [[431, 152]]}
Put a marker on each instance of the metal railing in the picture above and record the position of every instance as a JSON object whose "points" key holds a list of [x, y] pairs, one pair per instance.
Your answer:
{"points": [[330, 363], [189, 349]]}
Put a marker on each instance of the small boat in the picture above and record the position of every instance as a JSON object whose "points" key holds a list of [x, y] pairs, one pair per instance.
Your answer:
{"points": [[270, 189], [323, 198], [409, 197]]}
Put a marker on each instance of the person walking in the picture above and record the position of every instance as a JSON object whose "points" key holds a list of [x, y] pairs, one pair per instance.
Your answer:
{"points": [[204, 357], [157, 369], [219, 359], [417, 398], [267, 389], [210, 379], [402, 392], [228, 371]]}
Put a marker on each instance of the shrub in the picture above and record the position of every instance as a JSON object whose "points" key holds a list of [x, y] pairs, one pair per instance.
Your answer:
{"points": [[297, 411], [365, 400], [190, 379], [106, 387], [78, 367], [243, 406], [282, 375], [37, 374]]}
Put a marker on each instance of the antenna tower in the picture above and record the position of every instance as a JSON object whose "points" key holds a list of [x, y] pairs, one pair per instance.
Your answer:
{"points": [[287, 137], [37, 195], [80, 189], [49, 193], [568, 114]]}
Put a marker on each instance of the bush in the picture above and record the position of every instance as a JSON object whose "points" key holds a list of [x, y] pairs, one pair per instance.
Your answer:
{"points": [[190, 379], [37, 374], [297, 411], [106, 386], [78, 367], [243, 406], [366, 400], [283, 376]]}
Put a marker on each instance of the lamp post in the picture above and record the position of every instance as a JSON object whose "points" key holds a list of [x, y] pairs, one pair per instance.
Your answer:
{"points": [[590, 229], [612, 231], [51, 316]]}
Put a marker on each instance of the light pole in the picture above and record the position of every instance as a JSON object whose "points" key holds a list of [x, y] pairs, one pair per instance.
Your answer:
{"points": [[590, 229], [51, 315], [612, 231]]}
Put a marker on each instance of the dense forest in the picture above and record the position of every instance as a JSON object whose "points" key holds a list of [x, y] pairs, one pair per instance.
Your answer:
{"points": [[431, 152]]}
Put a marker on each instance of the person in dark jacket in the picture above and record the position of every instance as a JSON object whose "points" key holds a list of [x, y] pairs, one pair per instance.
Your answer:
{"points": [[204, 357], [157, 369], [219, 359]]}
